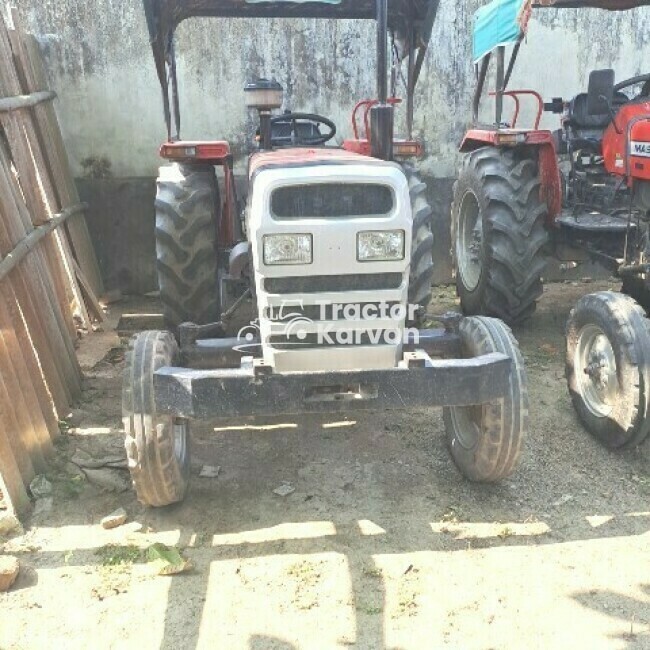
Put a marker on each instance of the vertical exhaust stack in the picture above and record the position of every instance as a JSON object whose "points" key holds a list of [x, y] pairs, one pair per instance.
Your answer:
{"points": [[264, 96], [382, 116]]}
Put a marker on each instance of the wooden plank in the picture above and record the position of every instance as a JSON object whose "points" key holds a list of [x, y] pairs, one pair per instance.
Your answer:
{"points": [[35, 182], [36, 212], [30, 380], [31, 71], [20, 430], [35, 345], [94, 306], [39, 371], [37, 300], [45, 346], [11, 480], [50, 311]]}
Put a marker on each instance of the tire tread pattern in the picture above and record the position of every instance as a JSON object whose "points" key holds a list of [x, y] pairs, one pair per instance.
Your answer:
{"points": [[628, 329], [187, 212], [514, 231], [422, 266], [158, 477], [504, 422]]}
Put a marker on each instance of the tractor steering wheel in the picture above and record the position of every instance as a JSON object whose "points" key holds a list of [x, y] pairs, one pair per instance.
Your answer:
{"points": [[641, 79], [294, 122]]}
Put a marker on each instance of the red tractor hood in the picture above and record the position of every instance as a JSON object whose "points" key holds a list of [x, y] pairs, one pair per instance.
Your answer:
{"points": [[305, 157]]}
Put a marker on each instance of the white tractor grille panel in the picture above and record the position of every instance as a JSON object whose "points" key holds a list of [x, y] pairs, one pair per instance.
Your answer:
{"points": [[312, 316]]}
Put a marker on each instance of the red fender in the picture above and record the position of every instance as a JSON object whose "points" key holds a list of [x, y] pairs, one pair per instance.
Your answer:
{"points": [[543, 141]]}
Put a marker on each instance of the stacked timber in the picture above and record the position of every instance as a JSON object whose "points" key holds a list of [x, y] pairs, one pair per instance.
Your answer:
{"points": [[49, 277]]}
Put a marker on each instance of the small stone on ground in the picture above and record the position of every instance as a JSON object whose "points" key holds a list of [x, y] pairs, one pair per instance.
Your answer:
{"points": [[9, 569], [115, 519], [284, 490], [208, 471], [9, 524], [40, 487], [108, 479]]}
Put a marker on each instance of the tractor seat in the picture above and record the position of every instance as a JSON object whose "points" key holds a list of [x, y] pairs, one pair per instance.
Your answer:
{"points": [[587, 129]]}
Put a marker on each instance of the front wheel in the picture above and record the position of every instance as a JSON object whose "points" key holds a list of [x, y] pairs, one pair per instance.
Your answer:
{"points": [[486, 440], [157, 446], [607, 368]]}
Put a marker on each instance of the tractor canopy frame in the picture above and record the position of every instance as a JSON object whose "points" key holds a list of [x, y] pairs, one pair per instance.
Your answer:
{"points": [[409, 21], [503, 22]]}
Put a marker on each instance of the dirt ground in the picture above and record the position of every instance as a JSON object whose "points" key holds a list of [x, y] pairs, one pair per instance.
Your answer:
{"points": [[381, 545]]}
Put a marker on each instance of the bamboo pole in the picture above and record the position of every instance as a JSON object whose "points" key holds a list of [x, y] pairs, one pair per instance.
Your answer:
{"points": [[10, 261], [21, 102]]}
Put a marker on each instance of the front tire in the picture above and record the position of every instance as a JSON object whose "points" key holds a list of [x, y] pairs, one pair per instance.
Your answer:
{"points": [[499, 234], [608, 368], [486, 441], [157, 446]]}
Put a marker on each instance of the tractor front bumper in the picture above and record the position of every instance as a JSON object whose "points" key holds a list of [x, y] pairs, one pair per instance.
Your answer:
{"points": [[253, 390]]}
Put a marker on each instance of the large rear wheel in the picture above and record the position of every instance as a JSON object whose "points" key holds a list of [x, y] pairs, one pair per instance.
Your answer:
{"points": [[608, 368], [499, 234], [421, 277], [187, 214], [485, 441]]}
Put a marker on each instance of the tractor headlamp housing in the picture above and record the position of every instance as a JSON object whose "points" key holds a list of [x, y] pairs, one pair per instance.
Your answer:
{"points": [[381, 246], [288, 249]]}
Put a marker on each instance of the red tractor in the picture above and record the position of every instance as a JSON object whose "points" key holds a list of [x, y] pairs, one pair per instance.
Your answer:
{"points": [[526, 195], [333, 251]]}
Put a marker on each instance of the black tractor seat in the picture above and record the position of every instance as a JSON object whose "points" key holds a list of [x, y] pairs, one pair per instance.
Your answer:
{"points": [[586, 130]]}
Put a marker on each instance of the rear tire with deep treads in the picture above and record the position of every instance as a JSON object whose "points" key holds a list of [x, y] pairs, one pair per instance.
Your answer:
{"points": [[421, 276], [500, 261], [187, 214]]}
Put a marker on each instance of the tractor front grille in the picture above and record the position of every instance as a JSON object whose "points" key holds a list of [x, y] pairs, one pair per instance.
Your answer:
{"points": [[331, 283], [314, 323]]}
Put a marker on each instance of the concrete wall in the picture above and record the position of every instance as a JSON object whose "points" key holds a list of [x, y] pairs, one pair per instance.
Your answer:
{"points": [[98, 56], [99, 60]]}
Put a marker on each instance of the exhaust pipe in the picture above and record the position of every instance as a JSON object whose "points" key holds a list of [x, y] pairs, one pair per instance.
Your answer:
{"points": [[382, 116]]}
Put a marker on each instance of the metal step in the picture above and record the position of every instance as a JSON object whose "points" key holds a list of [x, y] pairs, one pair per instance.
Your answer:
{"points": [[594, 222]]}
